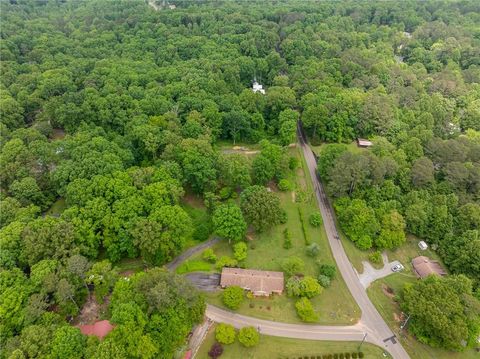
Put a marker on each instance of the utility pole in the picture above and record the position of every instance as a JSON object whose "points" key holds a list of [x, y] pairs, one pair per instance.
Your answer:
{"points": [[364, 337], [406, 321]]}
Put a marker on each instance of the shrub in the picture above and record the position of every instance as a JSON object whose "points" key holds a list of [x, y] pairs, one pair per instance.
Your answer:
{"points": [[248, 336], [361, 355], [225, 333], [284, 185], [226, 261], [324, 281], [209, 255], [309, 287], [292, 286], [347, 355], [354, 355], [313, 250], [283, 216], [305, 310], [287, 243], [240, 251], [316, 219], [215, 351], [233, 296], [292, 265], [341, 356], [335, 356], [329, 270], [375, 257], [225, 193], [293, 163], [304, 229]]}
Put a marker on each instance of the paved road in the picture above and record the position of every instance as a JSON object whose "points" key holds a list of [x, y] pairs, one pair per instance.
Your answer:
{"points": [[299, 331], [378, 331], [190, 252]]}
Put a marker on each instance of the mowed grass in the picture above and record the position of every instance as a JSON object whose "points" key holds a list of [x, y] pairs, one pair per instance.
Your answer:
{"points": [[275, 347], [334, 306], [193, 266], [390, 311]]}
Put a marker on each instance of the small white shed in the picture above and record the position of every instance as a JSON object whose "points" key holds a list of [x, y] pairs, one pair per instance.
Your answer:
{"points": [[422, 245]]}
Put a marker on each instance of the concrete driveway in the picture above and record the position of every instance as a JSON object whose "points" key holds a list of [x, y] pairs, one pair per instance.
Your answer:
{"points": [[371, 274]]}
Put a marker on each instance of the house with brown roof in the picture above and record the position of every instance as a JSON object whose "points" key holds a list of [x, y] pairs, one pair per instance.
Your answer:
{"points": [[99, 329], [260, 283], [424, 266]]}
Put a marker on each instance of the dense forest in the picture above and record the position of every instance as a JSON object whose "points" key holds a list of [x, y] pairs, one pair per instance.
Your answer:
{"points": [[119, 110]]}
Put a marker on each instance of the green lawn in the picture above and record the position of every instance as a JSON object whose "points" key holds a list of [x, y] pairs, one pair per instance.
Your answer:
{"points": [[389, 309], [283, 348], [335, 305]]}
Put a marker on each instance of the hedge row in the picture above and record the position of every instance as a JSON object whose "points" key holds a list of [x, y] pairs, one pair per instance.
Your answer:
{"points": [[353, 355], [304, 229]]}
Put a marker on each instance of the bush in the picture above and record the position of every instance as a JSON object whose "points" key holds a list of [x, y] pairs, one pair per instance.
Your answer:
{"points": [[225, 333], [283, 216], [354, 355], [240, 251], [287, 243], [284, 185], [341, 356], [226, 261], [313, 250], [292, 265], [316, 219], [304, 229], [225, 193], [361, 355], [248, 336], [232, 297], [305, 310], [329, 270], [292, 163], [209, 255], [324, 281], [309, 287], [376, 257], [215, 351], [347, 355]]}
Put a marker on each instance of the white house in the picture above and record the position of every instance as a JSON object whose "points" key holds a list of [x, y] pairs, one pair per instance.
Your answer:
{"points": [[258, 88]]}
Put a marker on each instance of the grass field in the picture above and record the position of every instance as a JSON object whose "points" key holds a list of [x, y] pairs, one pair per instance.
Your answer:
{"points": [[335, 305], [283, 348], [390, 311]]}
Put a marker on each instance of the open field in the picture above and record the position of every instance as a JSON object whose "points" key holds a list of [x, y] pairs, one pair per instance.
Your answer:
{"points": [[283, 348]]}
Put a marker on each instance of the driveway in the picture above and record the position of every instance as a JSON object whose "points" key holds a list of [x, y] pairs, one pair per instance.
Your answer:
{"points": [[208, 282], [371, 274], [190, 252]]}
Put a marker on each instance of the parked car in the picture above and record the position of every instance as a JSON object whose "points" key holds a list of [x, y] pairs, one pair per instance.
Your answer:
{"points": [[397, 268]]}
